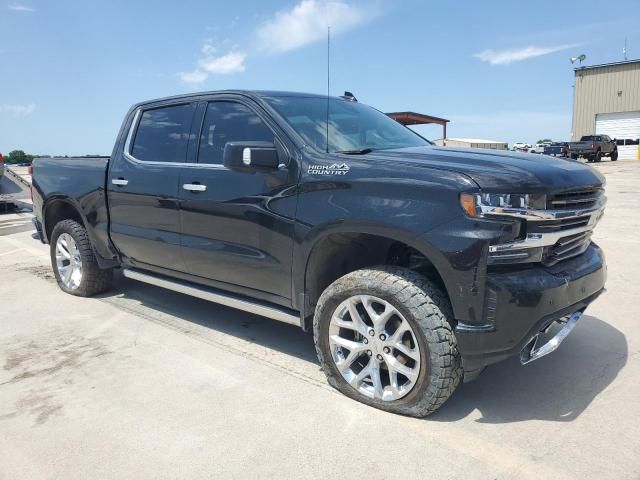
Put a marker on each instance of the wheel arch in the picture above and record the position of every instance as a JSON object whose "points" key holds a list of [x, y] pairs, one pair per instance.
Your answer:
{"points": [[57, 209], [335, 250], [60, 207]]}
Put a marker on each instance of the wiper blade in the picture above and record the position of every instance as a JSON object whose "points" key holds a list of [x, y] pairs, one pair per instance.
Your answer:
{"points": [[363, 151]]}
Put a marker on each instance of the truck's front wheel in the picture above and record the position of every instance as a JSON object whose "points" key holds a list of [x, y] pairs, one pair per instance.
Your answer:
{"points": [[74, 263], [383, 338]]}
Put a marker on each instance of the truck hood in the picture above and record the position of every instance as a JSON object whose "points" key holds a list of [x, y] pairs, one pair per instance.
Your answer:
{"points": [[499, 170]]}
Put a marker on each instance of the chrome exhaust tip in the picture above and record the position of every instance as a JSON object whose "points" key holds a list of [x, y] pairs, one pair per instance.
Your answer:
{"points": [[538, 348]]}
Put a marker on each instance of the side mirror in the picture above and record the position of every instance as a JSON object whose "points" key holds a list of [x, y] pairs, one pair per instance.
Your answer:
{"points": [[251, 156]]}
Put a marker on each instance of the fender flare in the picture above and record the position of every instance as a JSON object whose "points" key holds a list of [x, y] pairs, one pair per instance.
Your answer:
{"points": [[71, 202], [62, 199], [305, 247]]}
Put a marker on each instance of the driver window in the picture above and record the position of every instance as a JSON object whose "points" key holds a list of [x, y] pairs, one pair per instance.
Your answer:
{"points": [[229, 122]]}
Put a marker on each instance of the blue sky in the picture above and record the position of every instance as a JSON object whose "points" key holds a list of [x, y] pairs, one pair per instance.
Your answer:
{"points": [[498, 70]]}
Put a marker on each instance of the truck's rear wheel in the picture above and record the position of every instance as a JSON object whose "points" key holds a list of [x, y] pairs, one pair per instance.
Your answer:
{"points": [[382, 338], [74, 263], [598, 156]]}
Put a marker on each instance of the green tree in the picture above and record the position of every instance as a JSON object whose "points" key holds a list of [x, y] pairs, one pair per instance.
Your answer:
{"points": [[18, 156]]}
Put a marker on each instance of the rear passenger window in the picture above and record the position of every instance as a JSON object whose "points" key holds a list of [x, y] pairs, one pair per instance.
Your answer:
{"points": [[229, 122], [163, 134]]}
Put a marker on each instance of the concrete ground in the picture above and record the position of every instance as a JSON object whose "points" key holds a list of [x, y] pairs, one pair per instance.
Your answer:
{"points": [[145, 383]]}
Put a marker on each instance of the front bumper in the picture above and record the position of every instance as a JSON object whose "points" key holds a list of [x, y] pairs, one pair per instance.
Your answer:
{"points": [[540, 346], [521, 303]]}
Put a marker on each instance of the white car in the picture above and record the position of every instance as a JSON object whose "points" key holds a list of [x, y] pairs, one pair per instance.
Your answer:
{"points": [[539, 147], [521, 147]]}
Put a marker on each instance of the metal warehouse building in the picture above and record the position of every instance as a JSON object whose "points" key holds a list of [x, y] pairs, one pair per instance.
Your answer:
{"points": [[607, 102], [473, 143]]}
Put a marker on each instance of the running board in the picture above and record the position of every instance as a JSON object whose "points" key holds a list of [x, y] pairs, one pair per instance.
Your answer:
{"points": [[214, 296]]}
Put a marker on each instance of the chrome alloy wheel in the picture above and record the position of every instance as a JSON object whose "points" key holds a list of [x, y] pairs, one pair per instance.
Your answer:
{"points": [[68, 261], [374, 348]]}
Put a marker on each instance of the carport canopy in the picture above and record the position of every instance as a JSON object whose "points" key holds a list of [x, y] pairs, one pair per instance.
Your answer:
{"points": [[413, 118]]}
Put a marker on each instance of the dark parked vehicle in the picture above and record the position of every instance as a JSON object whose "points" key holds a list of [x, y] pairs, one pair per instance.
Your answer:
{"points": [[415, 266], [557, 149], [593, 148]]}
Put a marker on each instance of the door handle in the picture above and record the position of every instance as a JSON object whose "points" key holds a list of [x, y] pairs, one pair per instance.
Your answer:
{"points": [[194, 187], [121, 182]]}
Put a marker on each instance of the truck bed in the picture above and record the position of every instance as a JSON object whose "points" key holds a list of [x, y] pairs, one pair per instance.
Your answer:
{"points": [[65, 174], [577, 147], [81, 182]]}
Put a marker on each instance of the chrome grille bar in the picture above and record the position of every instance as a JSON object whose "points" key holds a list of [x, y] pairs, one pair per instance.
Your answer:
{"points": [[554, 234]]}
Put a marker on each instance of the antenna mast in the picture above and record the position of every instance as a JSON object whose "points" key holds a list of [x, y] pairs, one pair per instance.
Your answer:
{"points": [[328, 77], [624, 50]]}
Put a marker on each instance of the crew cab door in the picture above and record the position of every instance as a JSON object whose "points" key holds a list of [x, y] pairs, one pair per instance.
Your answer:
{"points": [[142, 185], [237, 227]]}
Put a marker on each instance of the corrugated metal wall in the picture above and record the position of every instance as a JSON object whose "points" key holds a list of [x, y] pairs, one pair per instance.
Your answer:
{"points": [[598, 90]]}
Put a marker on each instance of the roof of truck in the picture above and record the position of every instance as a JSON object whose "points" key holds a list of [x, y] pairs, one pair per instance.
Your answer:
{"points": [[254, 93]]}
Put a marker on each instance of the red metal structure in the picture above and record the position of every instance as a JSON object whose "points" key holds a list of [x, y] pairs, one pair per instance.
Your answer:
{"points": [[413, 118]]}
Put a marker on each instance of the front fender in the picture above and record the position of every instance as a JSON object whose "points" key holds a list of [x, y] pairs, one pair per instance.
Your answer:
{"points": [[457, 249]]}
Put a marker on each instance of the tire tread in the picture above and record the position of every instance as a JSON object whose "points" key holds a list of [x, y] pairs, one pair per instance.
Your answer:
{"points": [[430, 309], [94, 279]]}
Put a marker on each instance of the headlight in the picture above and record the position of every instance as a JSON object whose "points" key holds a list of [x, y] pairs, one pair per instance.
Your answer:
{"points": [[481, 204]]}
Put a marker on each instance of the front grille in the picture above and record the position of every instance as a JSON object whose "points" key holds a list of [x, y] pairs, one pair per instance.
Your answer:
{"points": [[558, 225], [554, 229], [566, 247], [583, 198]]}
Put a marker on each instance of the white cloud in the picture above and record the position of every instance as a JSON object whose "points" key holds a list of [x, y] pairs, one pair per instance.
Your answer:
{"points": [[232, 62], [306, 23], [208, 49], [505, 57], [18, 110], [21, 8], [195, 77]]}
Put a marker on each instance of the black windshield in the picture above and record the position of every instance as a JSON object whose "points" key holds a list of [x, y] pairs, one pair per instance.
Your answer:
{"points": [[353, 127]]}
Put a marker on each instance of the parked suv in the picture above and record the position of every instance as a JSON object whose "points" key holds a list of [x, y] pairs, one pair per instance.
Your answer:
{"points": [[415, 266]]}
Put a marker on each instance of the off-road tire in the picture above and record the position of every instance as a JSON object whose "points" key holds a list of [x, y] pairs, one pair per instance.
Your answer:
{"points": [[426, 308], [598, 156], [614, 155], [94, 279]]}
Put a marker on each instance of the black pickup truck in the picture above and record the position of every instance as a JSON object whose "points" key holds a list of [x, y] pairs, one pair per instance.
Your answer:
{"points": [[593, 148], [414, 266]]}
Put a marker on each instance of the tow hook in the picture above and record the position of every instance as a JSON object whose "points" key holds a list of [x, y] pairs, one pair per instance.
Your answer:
{"points": [[538, 347]]}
